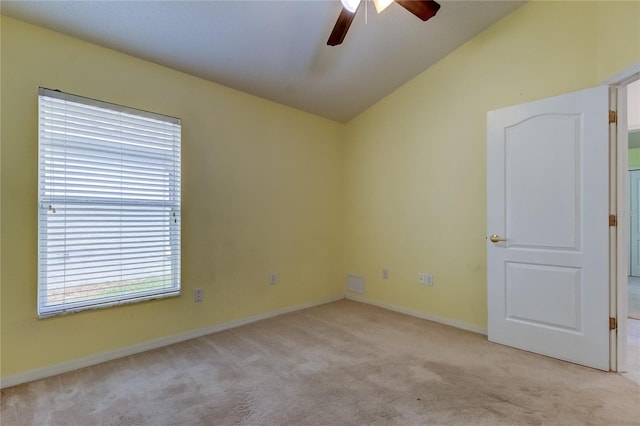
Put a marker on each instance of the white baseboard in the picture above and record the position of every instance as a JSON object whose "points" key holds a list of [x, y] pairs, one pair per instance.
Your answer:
{"points": [[441, 320], [78, 363]]}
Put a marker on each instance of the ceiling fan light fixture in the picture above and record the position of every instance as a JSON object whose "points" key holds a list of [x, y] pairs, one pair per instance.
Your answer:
{"points": [[423, 9], [382, 4], [350, 5]]}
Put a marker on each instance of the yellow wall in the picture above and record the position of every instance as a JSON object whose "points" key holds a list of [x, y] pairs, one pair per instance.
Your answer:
{"points": [[416, 161], [634, 153], [634, 158], [262, 191]]}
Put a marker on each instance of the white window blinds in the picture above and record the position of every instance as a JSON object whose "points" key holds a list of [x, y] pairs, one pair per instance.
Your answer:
{"points": [[109, 204]]}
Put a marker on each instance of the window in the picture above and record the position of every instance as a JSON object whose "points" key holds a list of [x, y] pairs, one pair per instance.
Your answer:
{"points": [[109, 204]]}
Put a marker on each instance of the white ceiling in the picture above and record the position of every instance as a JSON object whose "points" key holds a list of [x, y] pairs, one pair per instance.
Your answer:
{"points": [[275, 49]]}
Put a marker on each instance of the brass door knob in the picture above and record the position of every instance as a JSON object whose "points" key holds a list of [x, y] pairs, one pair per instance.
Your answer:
{"points": [[495, 238]]}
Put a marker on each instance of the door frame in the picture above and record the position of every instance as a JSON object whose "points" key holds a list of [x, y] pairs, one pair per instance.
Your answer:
{"points": [[619, 205]]}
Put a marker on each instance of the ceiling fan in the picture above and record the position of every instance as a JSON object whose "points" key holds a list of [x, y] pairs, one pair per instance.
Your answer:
{"points": [[423, 9]]}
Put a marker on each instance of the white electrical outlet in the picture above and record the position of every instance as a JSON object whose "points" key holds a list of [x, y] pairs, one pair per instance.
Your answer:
{"points": [[197, 295], [273, 278], [385, 274], [424, 278], [428, 279]]}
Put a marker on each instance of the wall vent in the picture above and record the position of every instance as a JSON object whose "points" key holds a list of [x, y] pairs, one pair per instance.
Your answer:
{"points": [[355, 283]]}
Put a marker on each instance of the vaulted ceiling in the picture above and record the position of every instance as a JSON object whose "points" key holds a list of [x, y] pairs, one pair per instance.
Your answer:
{"points": [[275, 49]]}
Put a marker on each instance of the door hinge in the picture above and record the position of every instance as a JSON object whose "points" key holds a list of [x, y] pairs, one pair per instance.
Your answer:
{"points": [[613, 117], [613, 324], [613, 220]]}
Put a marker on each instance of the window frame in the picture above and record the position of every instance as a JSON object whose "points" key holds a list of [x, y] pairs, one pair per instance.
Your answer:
{"points": [[169, 208]]}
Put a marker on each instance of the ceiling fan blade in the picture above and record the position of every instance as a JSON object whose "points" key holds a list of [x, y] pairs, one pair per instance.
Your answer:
{"points": [[342, 26], [423, 9]]}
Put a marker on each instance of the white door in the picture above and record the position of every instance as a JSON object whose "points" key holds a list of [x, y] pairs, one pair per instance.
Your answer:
{"points": [[634, 239], [548, 198]]}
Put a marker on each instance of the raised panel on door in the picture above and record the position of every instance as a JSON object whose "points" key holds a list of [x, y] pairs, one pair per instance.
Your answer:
{"points": [[547, 147], [543, 295]]}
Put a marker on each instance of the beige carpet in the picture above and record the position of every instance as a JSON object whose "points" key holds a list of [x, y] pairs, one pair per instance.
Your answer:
{"points": [[344, 363], [633, 350]]}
